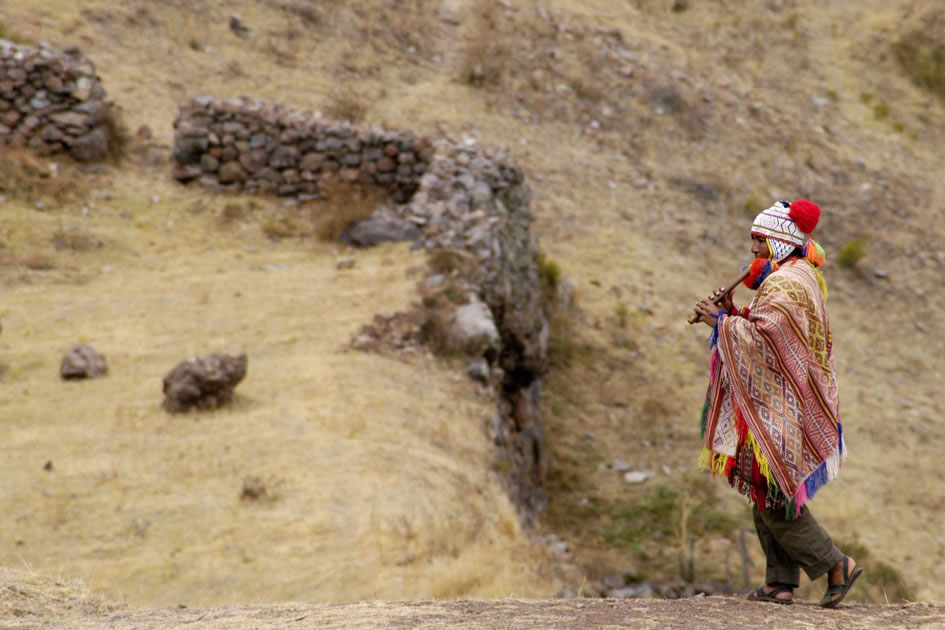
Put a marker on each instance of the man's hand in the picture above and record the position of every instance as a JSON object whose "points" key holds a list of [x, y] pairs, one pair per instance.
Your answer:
{"points": [[708, 312], [727, 303]]}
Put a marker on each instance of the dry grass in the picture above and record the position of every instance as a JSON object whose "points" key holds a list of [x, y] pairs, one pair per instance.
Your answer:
{"points": [[639, 250], [49, 180]]}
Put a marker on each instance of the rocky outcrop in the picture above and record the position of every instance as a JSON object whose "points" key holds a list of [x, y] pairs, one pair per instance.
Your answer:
{"points": [[52, 102], [204, 383], [469, 207], [83, 361]]}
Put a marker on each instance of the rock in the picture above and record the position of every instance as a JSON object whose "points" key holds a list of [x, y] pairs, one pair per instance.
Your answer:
{"points": [[238, 27], [621, 466], [637, 476], [380, 229], [189, 149], [205, 382], [83, 361], [346, 262], [473, 329], [566, 593], [231, 172], [91, 147], [639, 591], [478, 370]]}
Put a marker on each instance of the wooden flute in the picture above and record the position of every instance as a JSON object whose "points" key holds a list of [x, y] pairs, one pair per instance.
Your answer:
{"points": [[728, 289]]}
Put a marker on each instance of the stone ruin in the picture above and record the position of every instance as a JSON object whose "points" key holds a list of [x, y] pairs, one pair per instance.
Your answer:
{"points": [[469, 207], [52, 102]]}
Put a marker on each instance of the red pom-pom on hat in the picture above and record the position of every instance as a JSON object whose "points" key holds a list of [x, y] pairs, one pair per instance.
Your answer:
{"points": [[805, 215]]}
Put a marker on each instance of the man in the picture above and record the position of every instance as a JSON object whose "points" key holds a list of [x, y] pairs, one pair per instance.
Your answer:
{"points": [[770, 422]]}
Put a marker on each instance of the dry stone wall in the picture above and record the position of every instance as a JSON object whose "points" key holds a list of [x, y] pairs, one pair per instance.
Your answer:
{"points": [[455, 198], [51, 102], [243, 145]]}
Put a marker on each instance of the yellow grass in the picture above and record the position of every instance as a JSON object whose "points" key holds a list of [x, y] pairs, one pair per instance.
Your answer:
{"points": [[379, 467]]}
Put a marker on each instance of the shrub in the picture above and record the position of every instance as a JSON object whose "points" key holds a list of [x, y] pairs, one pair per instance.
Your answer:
{"points": [[851, 253], [921, 53], [880, 111]]}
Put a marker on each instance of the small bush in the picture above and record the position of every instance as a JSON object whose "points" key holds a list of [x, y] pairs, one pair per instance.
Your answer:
{"points": [[752, 206], [921, 53], [880, 111], [345, 104], [852, 253], [865, 98], [550, 273], [119, 137], [280, 226]]}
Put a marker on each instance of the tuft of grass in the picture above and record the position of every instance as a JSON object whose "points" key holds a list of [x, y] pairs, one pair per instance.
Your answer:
{"points": [[865, 98], [280, 226], [119, 137], [344, 103], [852, 252], [880, 111], [25, 176], [549, 272], [344, 205], [75, 239], [487, 55], [921, 53], [880, 583], [666, 511], [752, 206]]}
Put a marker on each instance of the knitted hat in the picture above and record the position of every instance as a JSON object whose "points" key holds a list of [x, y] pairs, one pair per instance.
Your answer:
{"points": [[786, 226]]}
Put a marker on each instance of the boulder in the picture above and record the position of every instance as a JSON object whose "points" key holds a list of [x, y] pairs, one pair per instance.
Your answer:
{"points": [[205, 382], [473, 329], [91, 147], [83, 361], [380, 229]]}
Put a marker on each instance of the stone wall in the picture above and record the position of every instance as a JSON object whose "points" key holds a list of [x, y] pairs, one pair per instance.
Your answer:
{"points": [[51, 102], [242, 145], [458, 199]]}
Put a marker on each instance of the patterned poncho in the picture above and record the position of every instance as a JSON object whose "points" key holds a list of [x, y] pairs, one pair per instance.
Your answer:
{"points": [[770, 421]]}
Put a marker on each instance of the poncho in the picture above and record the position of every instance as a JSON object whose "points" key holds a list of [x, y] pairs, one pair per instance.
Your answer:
{"points": [[771, 417]]}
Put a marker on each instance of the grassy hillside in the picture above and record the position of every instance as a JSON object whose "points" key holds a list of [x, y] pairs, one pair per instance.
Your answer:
{"points": [[652, 132]]}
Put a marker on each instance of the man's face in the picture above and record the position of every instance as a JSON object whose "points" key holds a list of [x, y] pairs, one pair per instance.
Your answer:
{"points": [[759, 247]]}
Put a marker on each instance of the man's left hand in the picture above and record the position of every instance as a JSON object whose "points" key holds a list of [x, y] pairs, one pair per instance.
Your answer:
{"points": [[708, 312]]}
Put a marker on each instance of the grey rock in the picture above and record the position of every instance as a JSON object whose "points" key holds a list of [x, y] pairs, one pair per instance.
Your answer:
{"points": [[478, 370], [204, 383], [91, 147], [637, 476], [380, 229], [474, 329], [83, 361], [639, 591]]}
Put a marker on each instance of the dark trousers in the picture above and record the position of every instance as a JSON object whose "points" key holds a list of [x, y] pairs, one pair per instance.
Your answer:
{"points": [[793, 545]]}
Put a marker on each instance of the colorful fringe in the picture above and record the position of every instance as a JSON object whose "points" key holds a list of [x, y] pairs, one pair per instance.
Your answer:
{"points": [[759, 269]]}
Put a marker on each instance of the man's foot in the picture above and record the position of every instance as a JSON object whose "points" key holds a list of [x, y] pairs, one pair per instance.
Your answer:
{"points": [[839, 581], [773, 593]]}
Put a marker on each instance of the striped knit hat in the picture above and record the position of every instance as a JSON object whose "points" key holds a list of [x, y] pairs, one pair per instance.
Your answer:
{"points": [[786, 226]]}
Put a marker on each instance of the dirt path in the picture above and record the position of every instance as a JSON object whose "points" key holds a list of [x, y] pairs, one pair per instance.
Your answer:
{"points": [[707, 612]]}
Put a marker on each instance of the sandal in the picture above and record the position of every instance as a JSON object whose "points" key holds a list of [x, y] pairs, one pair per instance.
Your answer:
{"points": [[828, 600], [759, 595]]}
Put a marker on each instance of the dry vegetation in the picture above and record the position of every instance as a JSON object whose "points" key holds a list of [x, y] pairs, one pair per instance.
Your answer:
{"points": [[650, 135]]}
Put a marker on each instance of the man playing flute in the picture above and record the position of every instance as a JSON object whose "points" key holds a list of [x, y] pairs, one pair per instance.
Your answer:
{"points": [[771, 420]]}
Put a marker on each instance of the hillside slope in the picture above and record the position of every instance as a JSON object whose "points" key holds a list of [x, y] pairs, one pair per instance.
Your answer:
{"points": [[651, 137]]}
